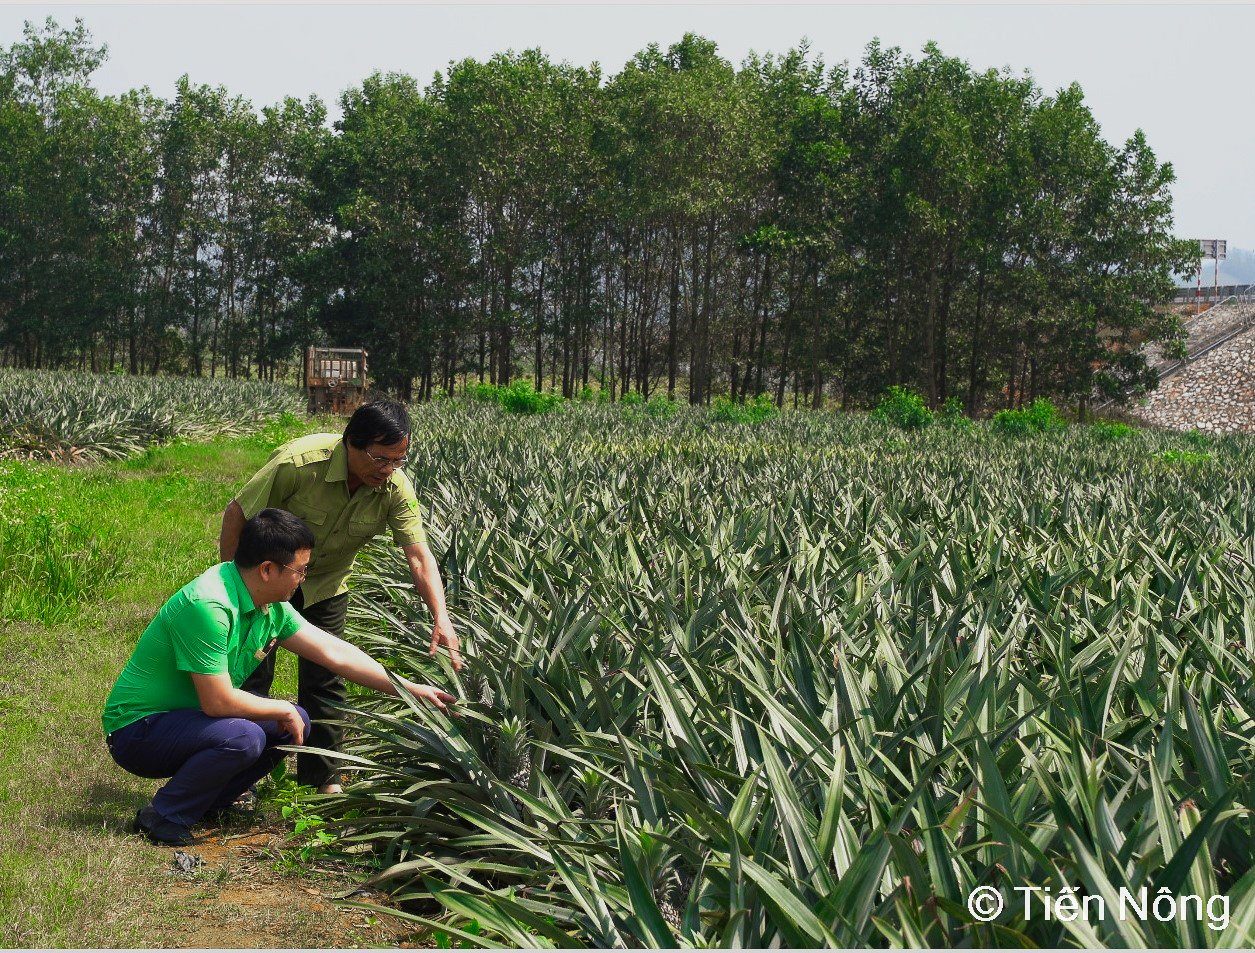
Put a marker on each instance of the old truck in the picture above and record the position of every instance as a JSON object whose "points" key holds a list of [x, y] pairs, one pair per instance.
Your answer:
{"points": [[335, 379]]}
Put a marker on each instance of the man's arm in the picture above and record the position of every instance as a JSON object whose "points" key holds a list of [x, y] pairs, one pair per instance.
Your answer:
{"points": [[426, 576], [269, 486], [322, 648], [229, 536], [219, 699]]}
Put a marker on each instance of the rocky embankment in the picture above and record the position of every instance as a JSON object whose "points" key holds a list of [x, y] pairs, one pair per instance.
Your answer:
{"points": [[1214, 393], [1211, 325]]}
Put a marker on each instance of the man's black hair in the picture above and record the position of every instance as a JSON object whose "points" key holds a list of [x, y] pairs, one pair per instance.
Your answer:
{"points": [[381, 421], [273, 535]]}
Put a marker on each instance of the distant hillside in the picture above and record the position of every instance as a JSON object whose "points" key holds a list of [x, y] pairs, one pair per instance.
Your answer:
{"points": [[1237, 269]]}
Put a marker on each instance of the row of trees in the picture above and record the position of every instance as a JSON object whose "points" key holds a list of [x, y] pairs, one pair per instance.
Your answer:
{"points": [[684, 225]]}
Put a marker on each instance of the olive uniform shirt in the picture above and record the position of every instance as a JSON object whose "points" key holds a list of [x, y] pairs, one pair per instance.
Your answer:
{"points": [[209, 627], [309, 477]]}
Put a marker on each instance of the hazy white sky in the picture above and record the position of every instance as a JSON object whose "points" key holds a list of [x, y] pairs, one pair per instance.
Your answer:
{"points": [[1183, 73]]}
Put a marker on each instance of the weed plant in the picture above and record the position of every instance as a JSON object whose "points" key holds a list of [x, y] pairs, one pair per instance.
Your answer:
{"points": [[752, 411], [951, 415], [661, 407], [1040, 416], [1112, 431], [903, 408], [520, 397]]}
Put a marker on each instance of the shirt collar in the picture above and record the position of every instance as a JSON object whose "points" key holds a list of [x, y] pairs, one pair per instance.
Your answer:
{"points": [[236, 581], [338, 468]]}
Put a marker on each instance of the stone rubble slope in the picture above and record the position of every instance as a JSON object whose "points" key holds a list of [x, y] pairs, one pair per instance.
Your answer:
{"points": [[1201, 330], [1214, 394]]}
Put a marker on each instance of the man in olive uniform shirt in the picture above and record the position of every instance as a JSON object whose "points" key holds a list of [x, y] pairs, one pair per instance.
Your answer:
{"points": [[346, 489]]}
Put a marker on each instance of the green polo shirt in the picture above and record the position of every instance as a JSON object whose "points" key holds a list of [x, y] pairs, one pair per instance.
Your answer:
{"points": [[309, 476], [208, 627]]}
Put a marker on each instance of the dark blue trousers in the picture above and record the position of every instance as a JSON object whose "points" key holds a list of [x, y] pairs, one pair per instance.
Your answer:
{"points": [[210, 761]]}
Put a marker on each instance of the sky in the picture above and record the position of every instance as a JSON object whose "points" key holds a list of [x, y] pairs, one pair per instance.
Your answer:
{"points": [[1182, 73]]}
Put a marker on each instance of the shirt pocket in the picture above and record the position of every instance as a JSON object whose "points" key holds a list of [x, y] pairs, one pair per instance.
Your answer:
{"points": [[363, 528], [311, 515], [316, 520]]}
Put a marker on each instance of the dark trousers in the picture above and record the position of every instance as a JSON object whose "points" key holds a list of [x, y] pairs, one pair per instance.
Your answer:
{"points": [[318, 690], [209, 761]]}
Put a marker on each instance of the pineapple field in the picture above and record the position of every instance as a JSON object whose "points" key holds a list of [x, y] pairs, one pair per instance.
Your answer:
{"points": [[71, 418], [815, 681]]}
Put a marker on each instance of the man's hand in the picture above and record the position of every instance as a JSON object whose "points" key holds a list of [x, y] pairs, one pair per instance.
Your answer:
{"points": [[431, 695], [292, 724], [442, 634], [426, 576]]}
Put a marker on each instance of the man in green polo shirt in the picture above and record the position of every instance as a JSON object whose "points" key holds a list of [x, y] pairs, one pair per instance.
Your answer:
{"points": [[346, 489], [177, 710]]}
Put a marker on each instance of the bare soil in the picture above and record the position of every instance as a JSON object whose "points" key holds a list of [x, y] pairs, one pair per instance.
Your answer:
{"points": [[243, 895]]}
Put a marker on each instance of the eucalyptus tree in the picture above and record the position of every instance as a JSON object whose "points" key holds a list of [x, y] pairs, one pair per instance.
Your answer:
{"points": [[1005, 212], [182, 234], [502, 136], [778, 227], [1099, 252], [48, 61], [289, 233], [108, 155], [385, 188], [1132, 256], [918, 165], [573, 191], [682, 162], [797, 249], [45, 221]]}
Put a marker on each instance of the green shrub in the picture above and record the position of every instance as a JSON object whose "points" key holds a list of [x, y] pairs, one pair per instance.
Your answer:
{"points": [[754, 411], [482, 392], [661, 407], [1187, 458], [725, 410], [1038, 417], [903, 408], [632, 399], [761, 408], [951, 415], [522, 398], [1111, 431]]}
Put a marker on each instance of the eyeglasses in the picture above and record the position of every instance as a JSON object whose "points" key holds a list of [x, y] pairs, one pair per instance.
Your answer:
{"points": [[300, 573], [386, 462]]}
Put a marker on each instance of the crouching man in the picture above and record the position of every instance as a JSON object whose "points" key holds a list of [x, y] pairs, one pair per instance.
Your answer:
{"points": [[177, 710]]}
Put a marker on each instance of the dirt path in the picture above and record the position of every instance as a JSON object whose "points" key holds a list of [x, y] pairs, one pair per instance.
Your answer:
{"points": [[232, 891]]}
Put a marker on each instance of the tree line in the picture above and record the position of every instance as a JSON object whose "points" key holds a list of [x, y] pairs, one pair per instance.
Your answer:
{"points": [[685, 226]]}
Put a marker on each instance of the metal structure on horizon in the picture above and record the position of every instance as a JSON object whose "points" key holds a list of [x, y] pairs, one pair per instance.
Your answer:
{"points": [[1216, 249]]}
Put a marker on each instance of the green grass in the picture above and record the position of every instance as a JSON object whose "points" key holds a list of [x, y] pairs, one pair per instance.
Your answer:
{"points": [[97, 551]]}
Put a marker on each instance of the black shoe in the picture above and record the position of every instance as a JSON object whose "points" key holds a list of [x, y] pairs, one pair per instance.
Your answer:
{"points": [[160, 831]]}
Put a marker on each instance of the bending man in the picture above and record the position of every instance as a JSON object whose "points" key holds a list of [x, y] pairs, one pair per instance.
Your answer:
{"points": [[347, 489], [177, 710]]}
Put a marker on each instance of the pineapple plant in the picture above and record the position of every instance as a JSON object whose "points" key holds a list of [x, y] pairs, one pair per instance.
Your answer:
{"points": [[709, 702]]}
